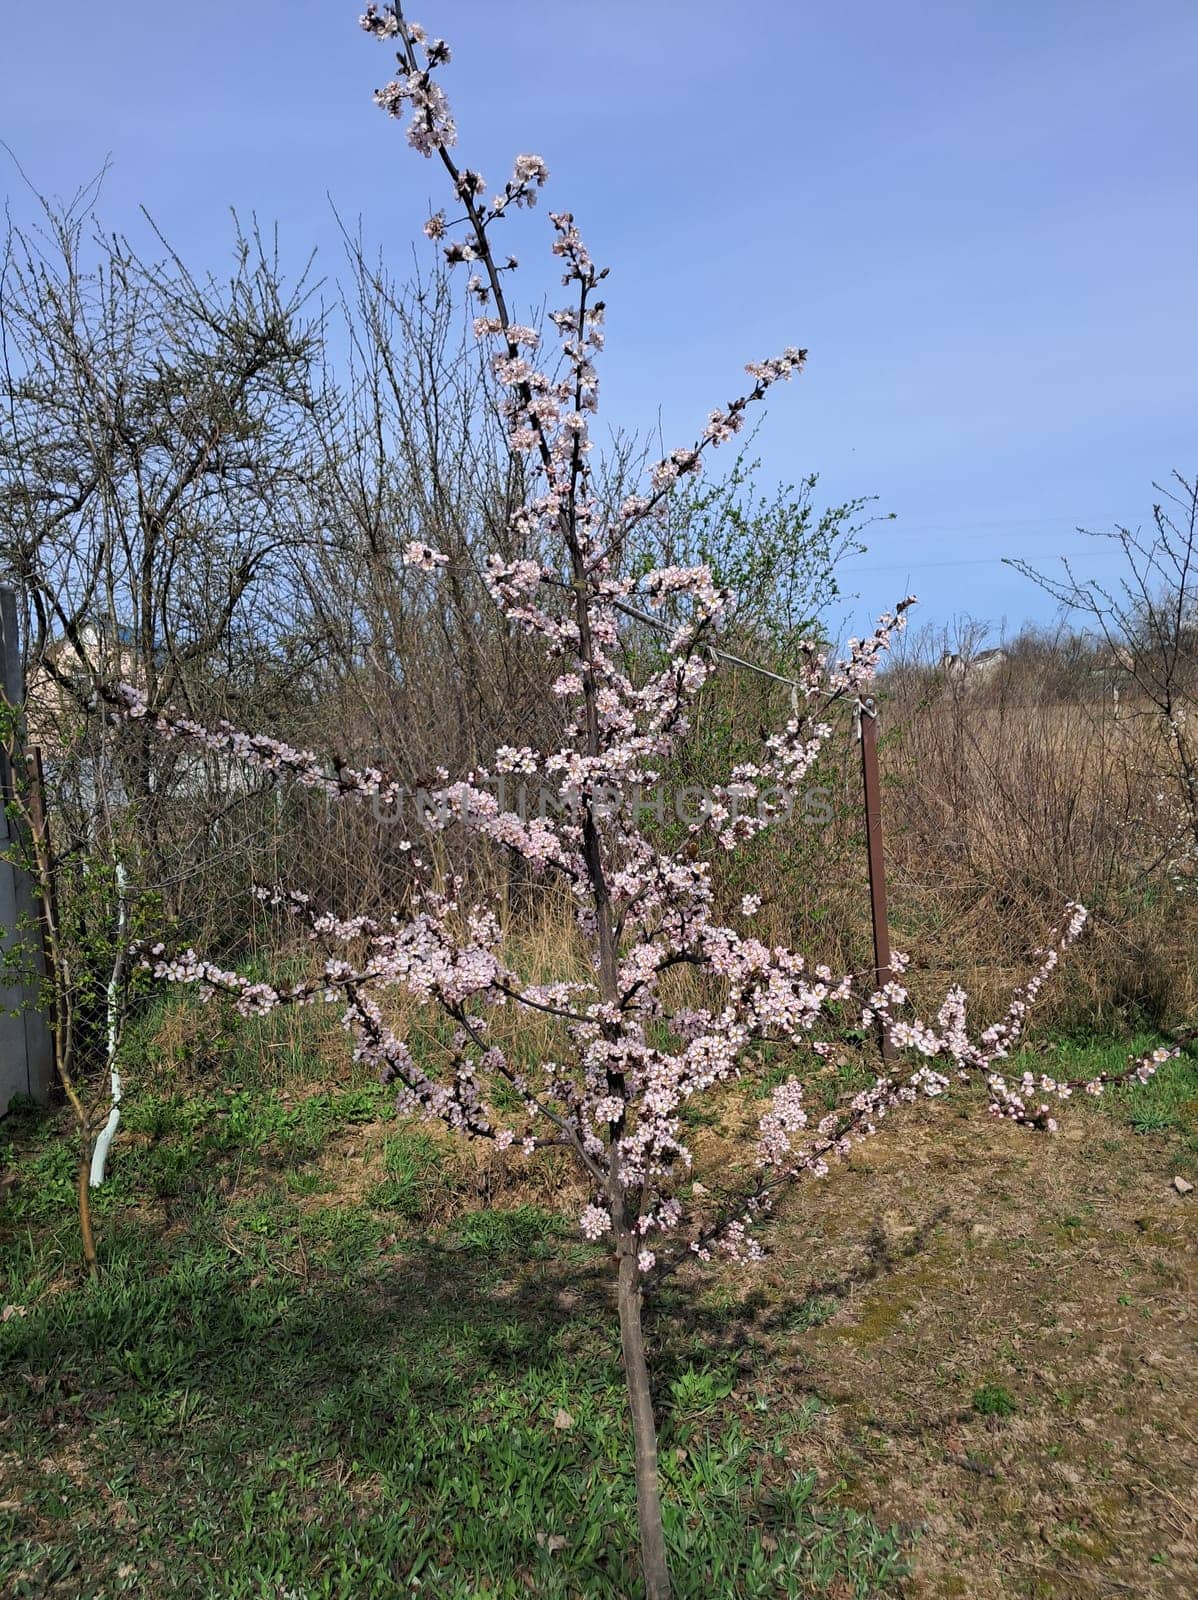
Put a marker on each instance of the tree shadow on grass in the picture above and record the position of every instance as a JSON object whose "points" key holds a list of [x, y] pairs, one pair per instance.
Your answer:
{"points": [[453, 1412], [751, 1325]]}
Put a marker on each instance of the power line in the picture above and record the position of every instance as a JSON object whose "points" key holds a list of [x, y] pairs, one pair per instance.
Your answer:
{"points": [[917, 566]]}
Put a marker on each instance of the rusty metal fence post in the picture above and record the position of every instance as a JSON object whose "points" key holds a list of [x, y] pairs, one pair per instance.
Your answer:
{"points": [[867, 732]]}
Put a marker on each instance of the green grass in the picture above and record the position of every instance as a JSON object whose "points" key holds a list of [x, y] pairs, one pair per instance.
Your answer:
{"points": [[268, 1394], [276, 1390], [992, 1400], [415, 1181], [1166, 1105]]}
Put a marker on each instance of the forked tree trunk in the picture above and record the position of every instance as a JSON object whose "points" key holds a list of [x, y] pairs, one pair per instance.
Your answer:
{"points": [[644, 1428]]}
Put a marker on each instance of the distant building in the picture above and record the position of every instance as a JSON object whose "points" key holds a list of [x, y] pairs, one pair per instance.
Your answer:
{"points": [[60, 689], [978, 667]]}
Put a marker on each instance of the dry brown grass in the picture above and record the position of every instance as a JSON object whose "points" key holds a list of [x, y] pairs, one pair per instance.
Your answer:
{"points": [[998, 808], [1002, 806]]}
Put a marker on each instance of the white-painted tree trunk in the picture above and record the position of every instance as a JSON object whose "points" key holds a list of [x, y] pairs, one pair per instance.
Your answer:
{"points": [[104, 1141]]}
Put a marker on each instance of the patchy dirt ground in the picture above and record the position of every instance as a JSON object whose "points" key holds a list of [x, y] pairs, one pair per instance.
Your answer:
{"points": [[1010, 1367]]}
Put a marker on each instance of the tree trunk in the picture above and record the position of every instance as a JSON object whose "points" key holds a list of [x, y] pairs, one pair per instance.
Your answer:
{"points": [[644, 1428], [91, 1261]]}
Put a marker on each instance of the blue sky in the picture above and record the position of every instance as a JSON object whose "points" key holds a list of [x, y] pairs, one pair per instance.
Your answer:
{"points": [[982, 220]]}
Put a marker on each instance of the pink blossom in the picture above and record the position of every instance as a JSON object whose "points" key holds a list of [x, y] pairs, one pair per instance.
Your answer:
{"points": [[595, 1222], [423, 556]]}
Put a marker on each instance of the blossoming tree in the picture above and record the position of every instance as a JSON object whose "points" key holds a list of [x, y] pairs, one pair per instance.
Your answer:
{"points": [[633, 1054]]}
